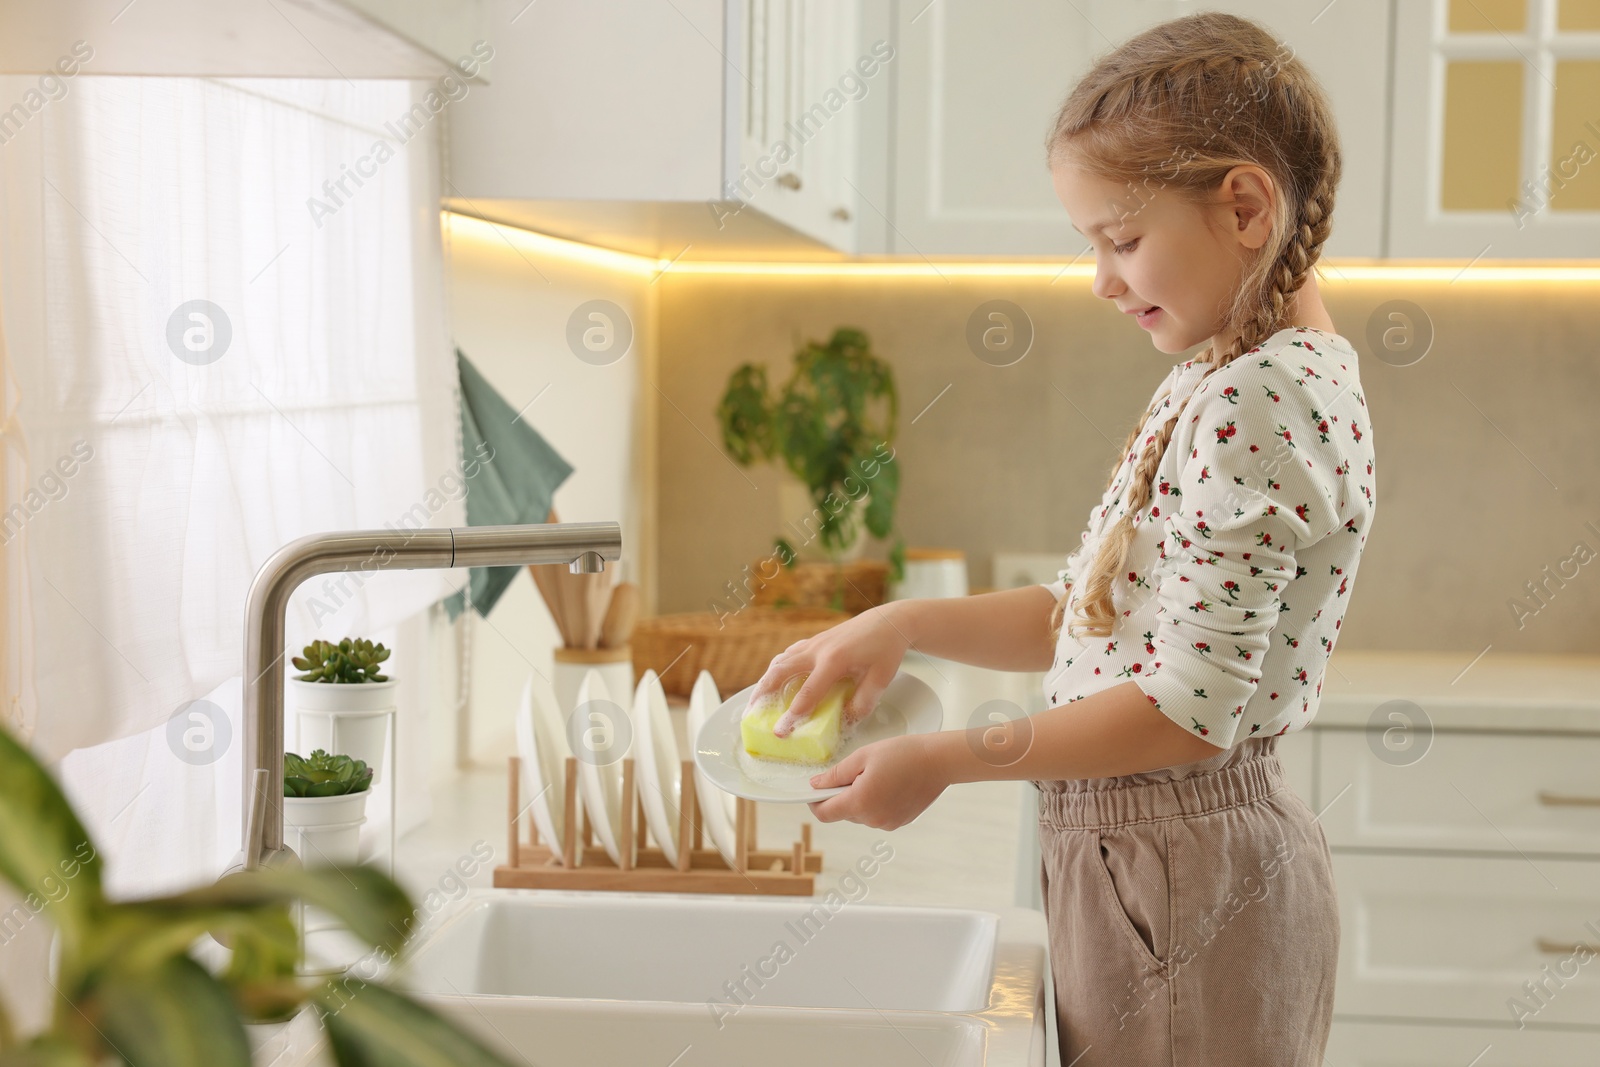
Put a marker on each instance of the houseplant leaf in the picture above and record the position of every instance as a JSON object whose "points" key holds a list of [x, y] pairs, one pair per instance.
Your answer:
{"points": [[43, 843], [880, 503], [367, 901], [372, 1026], [172, 1015], [322, 775], [46, 1050]]}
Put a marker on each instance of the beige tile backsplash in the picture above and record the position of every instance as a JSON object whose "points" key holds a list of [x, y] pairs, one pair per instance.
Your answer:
{"points": [[1488, 472]]}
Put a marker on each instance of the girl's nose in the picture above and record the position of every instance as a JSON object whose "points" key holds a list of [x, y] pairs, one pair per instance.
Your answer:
{"points": [[1106, 283]]}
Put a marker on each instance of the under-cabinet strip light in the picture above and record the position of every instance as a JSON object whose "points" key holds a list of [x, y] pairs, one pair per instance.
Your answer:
{"points": [[529, 242]]}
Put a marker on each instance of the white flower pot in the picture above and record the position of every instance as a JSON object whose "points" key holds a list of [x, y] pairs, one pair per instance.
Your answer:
{"points": [[325, 830], [799, 516], [345, 719]]}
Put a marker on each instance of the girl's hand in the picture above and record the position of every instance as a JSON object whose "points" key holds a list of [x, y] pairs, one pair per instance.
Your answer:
{"points": [[890, 783], [867, 648]]}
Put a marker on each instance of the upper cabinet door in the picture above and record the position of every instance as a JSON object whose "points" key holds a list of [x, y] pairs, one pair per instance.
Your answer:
{"points": [[596, 102], [805, 74], [979, 84], [1497, 129]]}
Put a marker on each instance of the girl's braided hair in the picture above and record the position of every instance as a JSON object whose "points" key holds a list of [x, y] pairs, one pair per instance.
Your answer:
{"points": [[1176, 108]]}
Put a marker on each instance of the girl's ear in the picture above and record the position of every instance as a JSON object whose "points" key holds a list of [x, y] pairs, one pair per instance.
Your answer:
{"points": [[1249, 193]]}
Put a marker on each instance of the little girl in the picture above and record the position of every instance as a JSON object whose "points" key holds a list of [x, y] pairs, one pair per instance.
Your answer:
{"points": [[1188, 891]]}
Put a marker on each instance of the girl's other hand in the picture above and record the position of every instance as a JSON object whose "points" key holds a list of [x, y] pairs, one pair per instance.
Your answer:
{"points": [[891, 782], [867, 648]]}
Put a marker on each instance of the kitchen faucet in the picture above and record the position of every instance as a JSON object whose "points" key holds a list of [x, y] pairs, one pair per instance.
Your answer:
{"points": [[584, 546]]}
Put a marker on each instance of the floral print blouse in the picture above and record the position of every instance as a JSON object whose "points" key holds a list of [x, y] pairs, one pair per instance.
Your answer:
{"points": [[1242, 563]]}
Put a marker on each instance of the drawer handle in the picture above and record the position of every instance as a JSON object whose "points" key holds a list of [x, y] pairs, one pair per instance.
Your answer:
{"points": [[1567, 800], [1564, 948]]}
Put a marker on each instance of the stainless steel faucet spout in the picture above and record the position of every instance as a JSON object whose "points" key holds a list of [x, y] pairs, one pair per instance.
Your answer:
{"points": [[583, 546]]}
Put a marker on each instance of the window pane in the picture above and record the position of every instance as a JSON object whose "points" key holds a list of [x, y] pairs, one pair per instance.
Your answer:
{"points": [[1488, 16], [1482, 136], [1575, 137], [1578, 15]]}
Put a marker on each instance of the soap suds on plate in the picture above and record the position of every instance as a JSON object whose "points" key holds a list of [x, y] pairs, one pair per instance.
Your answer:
{"points": [[791, 774]]}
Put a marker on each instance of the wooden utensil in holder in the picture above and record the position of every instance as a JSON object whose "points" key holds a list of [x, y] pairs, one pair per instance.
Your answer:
{"points": [[582, 864]]}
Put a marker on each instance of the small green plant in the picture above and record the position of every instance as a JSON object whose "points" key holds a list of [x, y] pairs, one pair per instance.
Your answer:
{"points": [[129, 992], [322, 775], [351, 661], [831, 425]]}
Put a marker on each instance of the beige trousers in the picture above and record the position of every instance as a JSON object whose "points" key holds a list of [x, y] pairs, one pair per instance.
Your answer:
{"points": [[1192, 915]]}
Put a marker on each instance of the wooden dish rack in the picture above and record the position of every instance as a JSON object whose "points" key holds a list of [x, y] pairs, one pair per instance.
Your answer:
{"points": [[582, 864]]}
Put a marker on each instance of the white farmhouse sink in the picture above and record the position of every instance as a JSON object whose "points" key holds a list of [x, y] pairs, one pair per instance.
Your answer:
{"points": [[697, 949], [563, 978]]}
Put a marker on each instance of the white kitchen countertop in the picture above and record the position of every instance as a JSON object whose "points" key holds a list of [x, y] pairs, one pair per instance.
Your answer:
{"points": [[1464, 691]]}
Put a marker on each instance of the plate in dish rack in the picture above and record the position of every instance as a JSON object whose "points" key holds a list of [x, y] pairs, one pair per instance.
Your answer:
{"points": [[908, 706], [599, 733], [718, 809]]}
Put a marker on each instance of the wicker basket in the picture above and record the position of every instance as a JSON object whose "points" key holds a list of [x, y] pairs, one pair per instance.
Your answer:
{"points": [[811, 585], [737, 652]]}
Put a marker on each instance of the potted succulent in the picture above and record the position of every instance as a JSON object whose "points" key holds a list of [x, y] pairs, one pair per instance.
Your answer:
{"points": [[831, 425], [137, 981], [344, 700], [325, 802]]}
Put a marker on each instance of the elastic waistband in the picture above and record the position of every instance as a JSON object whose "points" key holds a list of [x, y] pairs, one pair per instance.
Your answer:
{"points": [[1247, 771]]}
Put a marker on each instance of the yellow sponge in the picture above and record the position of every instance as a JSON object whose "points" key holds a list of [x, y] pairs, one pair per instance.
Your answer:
{"points": [[813, 740]]}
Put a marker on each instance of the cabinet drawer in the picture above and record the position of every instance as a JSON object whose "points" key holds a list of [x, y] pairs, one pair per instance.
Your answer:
{"points": [[1353, 1044], [1452, 937], [1491, 792]]}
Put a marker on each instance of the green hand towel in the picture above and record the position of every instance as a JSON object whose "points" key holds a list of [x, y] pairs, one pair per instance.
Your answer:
{"points": [[518, 474]]}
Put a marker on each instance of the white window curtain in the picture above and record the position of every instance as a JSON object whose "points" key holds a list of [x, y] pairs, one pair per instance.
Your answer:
{"points": [[224, 329]]}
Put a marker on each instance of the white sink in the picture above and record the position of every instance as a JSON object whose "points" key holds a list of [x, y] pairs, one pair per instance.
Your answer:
{"points": [[697, 949], [588, 978]]}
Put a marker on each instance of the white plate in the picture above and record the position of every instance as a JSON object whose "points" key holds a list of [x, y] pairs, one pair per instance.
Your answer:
{"points": [[718, 809], [543, 748], [908, 706], [600, 737], [655, 764]]}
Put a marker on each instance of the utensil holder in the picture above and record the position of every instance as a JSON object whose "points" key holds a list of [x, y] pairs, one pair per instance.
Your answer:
{"points": [[615, 666]]}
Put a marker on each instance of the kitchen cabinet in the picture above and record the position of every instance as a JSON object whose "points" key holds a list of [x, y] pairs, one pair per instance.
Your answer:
{"points": [[804, 75], [666, 128], [978, 85], [1361, 1044], [1466, 851], [1496, 130], [802, 129], [1428, 936]]}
